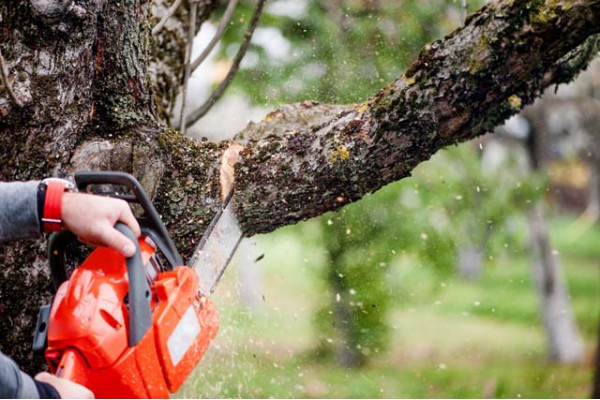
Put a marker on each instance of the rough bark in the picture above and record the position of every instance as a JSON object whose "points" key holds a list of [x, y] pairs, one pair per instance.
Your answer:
{"points": [[81, 71]]}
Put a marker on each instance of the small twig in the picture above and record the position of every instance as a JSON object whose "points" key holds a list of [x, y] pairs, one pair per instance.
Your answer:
{"points": [[216, 95], [6, 83], [166, 17], [218, 34], [464, 6], [188, 69]]}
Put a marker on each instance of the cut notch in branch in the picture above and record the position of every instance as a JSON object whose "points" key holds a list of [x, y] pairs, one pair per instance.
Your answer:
{"points": [[227, 169], [216, 95]]}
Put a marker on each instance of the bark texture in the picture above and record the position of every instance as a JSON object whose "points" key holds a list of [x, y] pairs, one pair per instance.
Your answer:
{"points": [[80, 70]]}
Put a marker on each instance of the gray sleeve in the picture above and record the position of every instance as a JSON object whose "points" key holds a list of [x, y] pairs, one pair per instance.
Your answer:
{"points": [[15, 384], [18, 211], [18, 220]]}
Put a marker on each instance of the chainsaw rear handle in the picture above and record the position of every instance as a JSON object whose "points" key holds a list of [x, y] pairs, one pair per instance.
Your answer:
{"points": [[140, 317], [151, 220]]}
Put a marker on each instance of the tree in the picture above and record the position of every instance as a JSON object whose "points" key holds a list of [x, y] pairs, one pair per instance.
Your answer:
{"points": [[351, 321], [77, 95]]}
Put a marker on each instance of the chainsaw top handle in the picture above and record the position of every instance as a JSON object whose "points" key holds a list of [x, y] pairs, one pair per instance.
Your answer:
{"points": [[150, 222]]}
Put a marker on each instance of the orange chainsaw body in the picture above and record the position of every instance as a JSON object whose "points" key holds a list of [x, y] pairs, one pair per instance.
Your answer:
{"points": [[88, 328]]}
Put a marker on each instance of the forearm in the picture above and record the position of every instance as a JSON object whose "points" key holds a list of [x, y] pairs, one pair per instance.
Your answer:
{"points": [[18, 211], [15, 384]]}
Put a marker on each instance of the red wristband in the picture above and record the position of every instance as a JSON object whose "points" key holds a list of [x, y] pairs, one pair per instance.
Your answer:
{"points": [[52, 215]]}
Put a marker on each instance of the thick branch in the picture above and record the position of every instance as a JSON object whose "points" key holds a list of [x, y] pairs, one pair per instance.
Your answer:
{"points": [[457, 89]]}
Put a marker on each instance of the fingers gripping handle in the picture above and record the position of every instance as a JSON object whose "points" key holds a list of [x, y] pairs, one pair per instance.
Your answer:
{"points": [[140, 317], [85, 179]]}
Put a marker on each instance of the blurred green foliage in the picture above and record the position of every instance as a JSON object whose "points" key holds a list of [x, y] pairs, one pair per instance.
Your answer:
{"points": [[391, 258], [449, 203], [342, 51], [449, 337]]}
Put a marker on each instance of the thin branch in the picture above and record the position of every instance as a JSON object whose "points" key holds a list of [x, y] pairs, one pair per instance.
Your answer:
{"points": [[166, 17], [218, 34], [6, 83], [216, 95], [188, 56]]}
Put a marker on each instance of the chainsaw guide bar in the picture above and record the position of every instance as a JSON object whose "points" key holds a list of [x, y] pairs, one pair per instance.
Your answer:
{"points": [[217, 246]]}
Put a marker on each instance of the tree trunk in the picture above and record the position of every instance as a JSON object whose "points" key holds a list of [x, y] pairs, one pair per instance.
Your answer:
{"points": [[593, 204], [593, 207], [344, 323], [470, 261], [564, 341], [81, 99]]}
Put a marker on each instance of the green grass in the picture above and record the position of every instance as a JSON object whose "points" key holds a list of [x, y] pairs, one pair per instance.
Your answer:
{"points": [[450, 337]]}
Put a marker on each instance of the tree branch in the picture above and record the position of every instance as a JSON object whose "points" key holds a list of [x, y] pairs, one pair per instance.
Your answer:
{"points": [[218, 34], [188, 56], [157, 28], [167, 54], [216, 95], [457, 89]]}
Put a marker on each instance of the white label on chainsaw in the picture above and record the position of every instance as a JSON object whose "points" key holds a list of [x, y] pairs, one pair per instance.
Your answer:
{"points": [[184, 335]]}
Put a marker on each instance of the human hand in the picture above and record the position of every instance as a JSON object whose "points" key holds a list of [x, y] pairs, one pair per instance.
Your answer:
{"points": [[92, 219], [65, 388]]}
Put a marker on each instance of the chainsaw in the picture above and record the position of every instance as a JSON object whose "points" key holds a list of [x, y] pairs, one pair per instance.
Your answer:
{"points": [[135, 327]]}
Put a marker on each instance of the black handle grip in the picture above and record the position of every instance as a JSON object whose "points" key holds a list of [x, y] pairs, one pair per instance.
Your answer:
{"points": [[85, 179], [140, 317]]}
